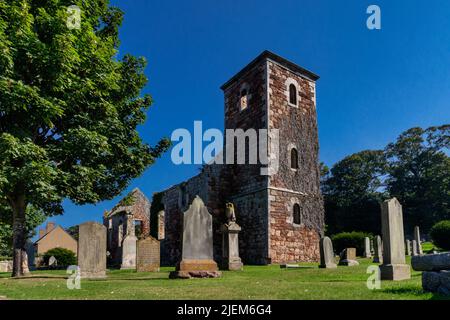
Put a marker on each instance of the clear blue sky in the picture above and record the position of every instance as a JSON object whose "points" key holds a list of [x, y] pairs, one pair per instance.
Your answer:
{"points": [[373, 86]]}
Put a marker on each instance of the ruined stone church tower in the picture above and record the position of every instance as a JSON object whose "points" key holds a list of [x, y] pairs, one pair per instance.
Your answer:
{"points": [[281, 214]]}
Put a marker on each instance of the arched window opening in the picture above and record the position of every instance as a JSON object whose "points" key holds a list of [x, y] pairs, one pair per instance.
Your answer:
{"points": [[294, 158], [244, 99], [292, 94], [296, 213]]}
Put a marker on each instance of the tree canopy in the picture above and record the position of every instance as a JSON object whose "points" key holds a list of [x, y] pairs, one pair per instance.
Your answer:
{"points": [[415, 169], [69, 108]]}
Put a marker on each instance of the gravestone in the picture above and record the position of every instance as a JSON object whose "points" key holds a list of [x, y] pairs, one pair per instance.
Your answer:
{"points": [[348, 257], [161, 225], [415, 251], [52, 262], [290, 266], [230, 241], [378, 248], [408, 247], [197, 245], [92, 250], [29, 247], [148, 255], [129, 246], [394, 265], [436, 272], [6, 266], [327, 259], [25, 268], [367, 253], [418, 240]]}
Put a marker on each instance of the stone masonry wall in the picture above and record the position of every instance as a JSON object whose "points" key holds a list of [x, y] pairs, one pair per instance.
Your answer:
{"points": [[248, 188], [297, 126]]}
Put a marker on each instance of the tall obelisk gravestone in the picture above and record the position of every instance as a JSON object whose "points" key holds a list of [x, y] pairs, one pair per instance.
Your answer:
{"points": [[394, 265]]}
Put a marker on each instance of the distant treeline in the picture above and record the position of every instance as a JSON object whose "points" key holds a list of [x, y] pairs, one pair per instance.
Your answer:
{"points": [[415, 169]]}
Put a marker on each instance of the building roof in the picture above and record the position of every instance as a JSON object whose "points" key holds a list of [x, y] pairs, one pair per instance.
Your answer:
{"points": [[47, 233], [267, 55]]}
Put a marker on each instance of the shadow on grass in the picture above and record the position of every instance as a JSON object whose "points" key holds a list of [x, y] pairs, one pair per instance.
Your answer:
{"points": [[412, 291], [416, 292], [39, 277]]}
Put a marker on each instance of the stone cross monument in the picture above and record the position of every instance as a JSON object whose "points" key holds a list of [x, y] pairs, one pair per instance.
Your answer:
{"points": [[394, 265]]}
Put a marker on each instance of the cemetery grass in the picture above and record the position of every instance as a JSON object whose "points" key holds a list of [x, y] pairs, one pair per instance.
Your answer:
{"points": [[255, 282]]}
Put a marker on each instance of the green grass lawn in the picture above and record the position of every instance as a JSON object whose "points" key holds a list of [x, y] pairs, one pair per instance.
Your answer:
{"points": [[255, 282]]}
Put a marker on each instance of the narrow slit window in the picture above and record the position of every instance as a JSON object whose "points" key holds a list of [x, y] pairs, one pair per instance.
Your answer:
{"points": [[294, 158], [296, 213], [292, 94]]}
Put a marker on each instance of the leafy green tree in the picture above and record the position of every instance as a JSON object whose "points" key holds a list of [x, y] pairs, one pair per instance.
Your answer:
{"points": [[69, 109], [352, 190], [74, 231], [419, 175]]}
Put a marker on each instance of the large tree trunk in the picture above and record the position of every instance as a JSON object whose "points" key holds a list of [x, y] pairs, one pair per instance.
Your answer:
{"points": [[18, 205]]}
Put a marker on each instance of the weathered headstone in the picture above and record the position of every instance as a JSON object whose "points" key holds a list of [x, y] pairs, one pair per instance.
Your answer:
{"points": [[418, 240], [436, 272], [148, 255], [408, 247], [378, 248], [348, 257], [327, 259], [29, 247], [289, 266], [161, 225], [25, 268], [431, 262], [394, 265], [6, 266], [230, 241], [129, 245], [52, 262], [197, 249], [415, 251], [367, 253], [92, 250]]}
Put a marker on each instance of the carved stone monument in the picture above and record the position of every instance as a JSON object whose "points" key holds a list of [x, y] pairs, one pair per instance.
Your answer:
{"points": [[436, 272], [230, 241], [148, 255], [367, 253], [92, 250], [418, 240], [327, 259], [348, 257], [378, 248], [197, 246], [161, 225], [129, 245], [394, 265], [408, 247], [414, 248]]}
